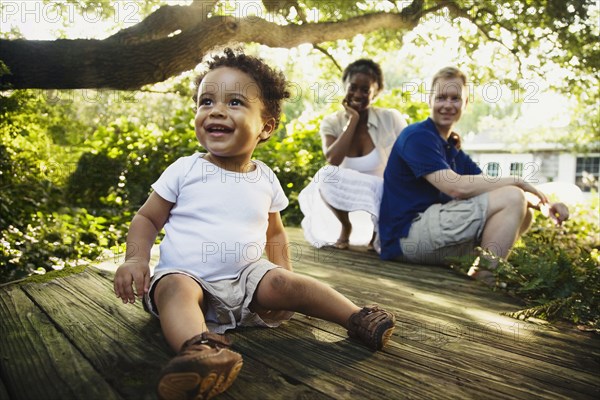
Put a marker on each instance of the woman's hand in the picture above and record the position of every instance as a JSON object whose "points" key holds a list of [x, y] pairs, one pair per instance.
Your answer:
{"points": [[352, 113]]}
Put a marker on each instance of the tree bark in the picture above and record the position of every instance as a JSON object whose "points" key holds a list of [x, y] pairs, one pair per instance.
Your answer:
{"points": [[82, 63], [155, 50]]}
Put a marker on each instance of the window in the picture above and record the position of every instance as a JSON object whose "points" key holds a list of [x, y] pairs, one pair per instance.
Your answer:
{"points": [[493, 169], [516, 169], [587, 172]]}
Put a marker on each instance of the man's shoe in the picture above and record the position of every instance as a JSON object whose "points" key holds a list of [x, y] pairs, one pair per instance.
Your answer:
{"points": [[203, 368]]}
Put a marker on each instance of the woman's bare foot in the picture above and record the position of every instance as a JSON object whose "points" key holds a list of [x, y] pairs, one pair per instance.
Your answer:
{"points": [[342, 244], [370, 246], [343, 241]]}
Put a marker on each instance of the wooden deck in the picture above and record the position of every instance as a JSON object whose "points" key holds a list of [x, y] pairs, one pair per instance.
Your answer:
{"points": [[70, 338]]}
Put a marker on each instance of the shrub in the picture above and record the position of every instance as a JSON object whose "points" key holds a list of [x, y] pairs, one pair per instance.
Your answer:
{"points": [[126, 158], [53, 241], [295, 155], [556, 269], [37, 234]]}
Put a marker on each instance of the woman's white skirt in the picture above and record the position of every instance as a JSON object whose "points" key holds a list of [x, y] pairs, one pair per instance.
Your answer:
{"points": [[344, 189]]}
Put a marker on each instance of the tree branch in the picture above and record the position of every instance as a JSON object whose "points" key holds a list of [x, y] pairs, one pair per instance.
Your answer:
{"points": [[464, 13], [129, 61], [81, 63], [165, 21], [288, 36], [328, 55]]}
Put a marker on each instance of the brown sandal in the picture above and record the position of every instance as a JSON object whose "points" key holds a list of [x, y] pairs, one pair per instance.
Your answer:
{"points": [[373, 326], [203, 368]]}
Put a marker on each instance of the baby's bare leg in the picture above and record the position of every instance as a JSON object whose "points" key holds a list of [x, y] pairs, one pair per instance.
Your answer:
{"points": [[178, 298], [281, 289]]}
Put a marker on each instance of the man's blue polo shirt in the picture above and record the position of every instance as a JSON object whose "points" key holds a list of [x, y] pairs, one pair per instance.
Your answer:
{"points": [[418, 151]]}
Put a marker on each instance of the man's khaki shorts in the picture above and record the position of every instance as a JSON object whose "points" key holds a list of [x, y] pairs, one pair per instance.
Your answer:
{"points": [[446, 230]]}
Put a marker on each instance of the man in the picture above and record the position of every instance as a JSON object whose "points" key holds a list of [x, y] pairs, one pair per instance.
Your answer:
{"points": [[436, 201]]}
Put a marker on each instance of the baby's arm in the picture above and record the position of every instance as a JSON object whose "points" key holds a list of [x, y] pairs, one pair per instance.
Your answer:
{"points": [[144, 228], [277, 247]]}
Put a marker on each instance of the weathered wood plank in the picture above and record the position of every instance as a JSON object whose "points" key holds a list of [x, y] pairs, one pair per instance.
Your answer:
{"points": [[121, 343], [456, 313], [3, 391], [337, 366], [125, 343], [449, 321], [500, 341], [450, 340], [37, 361], [259, 381], [478, 375], [456, 323]]}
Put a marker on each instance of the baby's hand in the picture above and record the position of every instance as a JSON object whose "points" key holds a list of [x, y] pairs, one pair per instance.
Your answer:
{"points": [[129, 273]]}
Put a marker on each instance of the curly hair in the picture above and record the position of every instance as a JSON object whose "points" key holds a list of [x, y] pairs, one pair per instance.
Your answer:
{"points": [[365, 66], [271, 82]]}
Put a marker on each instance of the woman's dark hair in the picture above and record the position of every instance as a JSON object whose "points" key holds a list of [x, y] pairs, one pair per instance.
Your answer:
{"points": [[271, 82], [365, 66]]}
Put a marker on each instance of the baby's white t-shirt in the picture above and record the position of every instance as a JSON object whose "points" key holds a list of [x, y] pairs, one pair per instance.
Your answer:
{"points": [[218, 223]]}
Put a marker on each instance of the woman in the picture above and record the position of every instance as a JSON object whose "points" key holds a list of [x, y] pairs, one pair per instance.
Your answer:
{"points": [[356, 142]]}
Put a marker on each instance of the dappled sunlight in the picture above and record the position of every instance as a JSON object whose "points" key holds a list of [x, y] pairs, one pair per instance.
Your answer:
{"points": [[477, 322], [388, 283], [322, 335], [432, 298], [453, 325], [499, 325], [489, 316], [319, 274]]}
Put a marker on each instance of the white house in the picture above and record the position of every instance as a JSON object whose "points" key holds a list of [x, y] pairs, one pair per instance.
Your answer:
{"points": [[537, 163]]}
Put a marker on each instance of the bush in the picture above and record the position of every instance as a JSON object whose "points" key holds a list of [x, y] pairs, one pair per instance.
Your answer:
{"points": [[126, 159], [37, 234], [556, 269], [53, 241], [295, 155]]}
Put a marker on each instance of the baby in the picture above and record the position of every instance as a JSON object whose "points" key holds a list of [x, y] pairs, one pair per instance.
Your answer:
{"points": [[221, 212]]}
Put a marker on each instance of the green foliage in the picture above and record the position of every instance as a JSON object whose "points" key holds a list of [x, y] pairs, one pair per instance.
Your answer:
{"points": [[556, 269], [38, 234], [295, 158], [53, 241], [26, 156], [126, 159], [414, 110]]}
